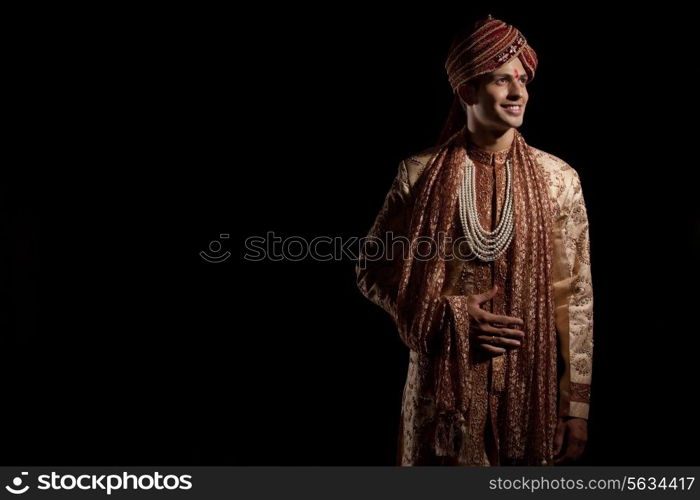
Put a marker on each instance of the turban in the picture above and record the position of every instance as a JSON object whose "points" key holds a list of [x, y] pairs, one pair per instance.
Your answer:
{"points": [[491, 44]]}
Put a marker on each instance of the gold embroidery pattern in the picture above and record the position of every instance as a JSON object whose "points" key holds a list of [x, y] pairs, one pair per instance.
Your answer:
{"points": [[565, 188], [378, 279], [380, 282], [580, 392]]}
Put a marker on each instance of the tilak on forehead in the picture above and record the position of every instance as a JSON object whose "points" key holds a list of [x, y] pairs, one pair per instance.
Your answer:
{"points": [[491, 44]]}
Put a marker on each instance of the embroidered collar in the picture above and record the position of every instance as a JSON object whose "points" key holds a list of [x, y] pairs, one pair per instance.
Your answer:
{"points": [[485, 157]]}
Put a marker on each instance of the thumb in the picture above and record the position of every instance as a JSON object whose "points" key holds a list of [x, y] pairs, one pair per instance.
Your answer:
{"points": [[488, 294]]}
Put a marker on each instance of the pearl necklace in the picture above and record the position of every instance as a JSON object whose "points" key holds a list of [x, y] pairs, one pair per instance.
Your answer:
{"points": [[486, 245]]}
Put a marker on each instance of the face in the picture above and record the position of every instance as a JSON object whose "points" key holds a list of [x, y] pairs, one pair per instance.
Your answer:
{"points": [[499, 98]]}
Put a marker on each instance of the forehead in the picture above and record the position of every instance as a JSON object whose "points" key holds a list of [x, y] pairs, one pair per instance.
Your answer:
{"points": [[511, 66]]}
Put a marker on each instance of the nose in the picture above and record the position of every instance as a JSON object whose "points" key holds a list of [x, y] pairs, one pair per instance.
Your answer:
{"points": [[516, 90]]}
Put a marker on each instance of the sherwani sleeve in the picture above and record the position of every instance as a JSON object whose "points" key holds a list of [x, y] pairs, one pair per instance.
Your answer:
{"points": [[577, 336], [379, 265]]}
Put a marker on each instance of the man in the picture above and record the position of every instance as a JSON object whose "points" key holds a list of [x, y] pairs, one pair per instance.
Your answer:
{"points": [[498, 314]]}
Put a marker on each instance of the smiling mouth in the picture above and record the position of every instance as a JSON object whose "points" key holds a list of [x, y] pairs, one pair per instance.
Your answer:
{"points": [[513, 109]]}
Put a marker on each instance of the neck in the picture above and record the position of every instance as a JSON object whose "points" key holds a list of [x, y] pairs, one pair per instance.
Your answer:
{"points": [[490, 140]]}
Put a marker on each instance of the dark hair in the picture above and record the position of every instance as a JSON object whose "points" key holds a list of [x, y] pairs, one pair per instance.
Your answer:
{"points": [[457, 116]]}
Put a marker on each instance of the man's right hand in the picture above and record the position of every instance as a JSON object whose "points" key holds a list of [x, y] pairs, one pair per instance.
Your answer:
{"points": [[493, 331]]}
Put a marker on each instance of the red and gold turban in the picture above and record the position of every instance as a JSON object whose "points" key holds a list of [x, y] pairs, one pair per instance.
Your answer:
{"points": [[491, 44]]}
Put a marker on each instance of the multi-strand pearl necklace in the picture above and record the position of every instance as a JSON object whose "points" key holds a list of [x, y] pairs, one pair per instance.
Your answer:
{"points": [[486, 245]]}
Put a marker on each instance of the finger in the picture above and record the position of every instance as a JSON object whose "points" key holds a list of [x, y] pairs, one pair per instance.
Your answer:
{"points": [[559, 439], [573, 452], [511, 332], [487, 295], [502, 332], [492, 349], [498, 340], [503, 320], [577, 449], [499, 324], [566, 458]]}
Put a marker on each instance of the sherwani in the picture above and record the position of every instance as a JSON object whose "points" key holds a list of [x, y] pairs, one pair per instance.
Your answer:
{"points": [[572, 290]]}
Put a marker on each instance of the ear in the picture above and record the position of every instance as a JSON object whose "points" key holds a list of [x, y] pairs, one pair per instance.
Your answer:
{"points": [[467, 92]]}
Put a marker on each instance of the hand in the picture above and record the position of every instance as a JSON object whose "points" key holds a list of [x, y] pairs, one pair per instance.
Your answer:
{"points": [[573, 432], [490, 329]]}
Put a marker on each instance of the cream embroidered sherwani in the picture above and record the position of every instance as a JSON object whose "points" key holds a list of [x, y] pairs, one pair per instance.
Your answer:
{"points": [[573, 292]]}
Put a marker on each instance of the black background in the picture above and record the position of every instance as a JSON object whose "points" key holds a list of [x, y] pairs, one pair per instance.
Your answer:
{"points": [[142, 136]]}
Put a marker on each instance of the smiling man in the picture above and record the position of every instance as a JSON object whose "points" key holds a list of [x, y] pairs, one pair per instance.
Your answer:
{"points": [[499, 316]]}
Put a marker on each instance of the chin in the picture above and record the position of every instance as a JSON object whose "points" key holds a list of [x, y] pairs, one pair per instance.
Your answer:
{"points": [[511, 121], [507, 125], [516, 123]]}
